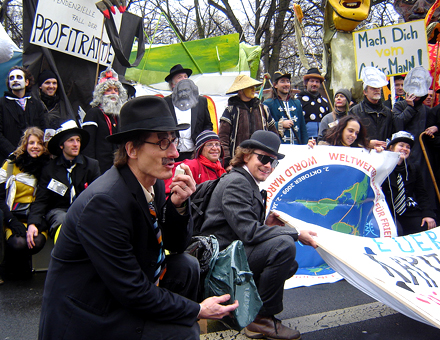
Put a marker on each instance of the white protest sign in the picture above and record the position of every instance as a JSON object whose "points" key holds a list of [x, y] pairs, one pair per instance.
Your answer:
{"points": [[73, 27], [394, 49], [401, 272]]}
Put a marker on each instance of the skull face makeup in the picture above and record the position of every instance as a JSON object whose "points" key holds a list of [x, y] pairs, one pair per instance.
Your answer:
{"points": [[17, 80]]}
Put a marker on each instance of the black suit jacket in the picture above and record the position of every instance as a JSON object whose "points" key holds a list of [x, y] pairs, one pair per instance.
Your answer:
{"points": [[200, 118], [99, 282]]}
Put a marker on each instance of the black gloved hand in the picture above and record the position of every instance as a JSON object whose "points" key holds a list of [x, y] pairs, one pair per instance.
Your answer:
{"points": [[17, 228]]}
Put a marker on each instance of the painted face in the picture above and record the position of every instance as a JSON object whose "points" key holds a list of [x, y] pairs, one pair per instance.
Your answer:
{"points": [[17, 80], [71, 147], [350, 133], [259, 170], [283, 86], [415, 9], [249, 92], [340, 101], [34, 146], [153, 162], [313, 85], [403, 148], [178, 77], [373, 94], [49, 87], [349, 13], [398, 86], [212, 150]]}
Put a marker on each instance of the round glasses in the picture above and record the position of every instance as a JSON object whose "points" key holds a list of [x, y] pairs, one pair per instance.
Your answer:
{"points": [[212, 145], [165, 143]]}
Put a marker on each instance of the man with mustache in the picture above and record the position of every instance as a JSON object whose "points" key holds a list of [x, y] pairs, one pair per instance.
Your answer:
{"points": [[314, 106], [103, 118], [376, 117], [18, 110], [194, 112], [109, 277], [63, 178]]}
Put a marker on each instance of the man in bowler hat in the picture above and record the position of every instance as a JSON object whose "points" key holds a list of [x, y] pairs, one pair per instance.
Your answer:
{"points": [[236, 211], [109, 277]]}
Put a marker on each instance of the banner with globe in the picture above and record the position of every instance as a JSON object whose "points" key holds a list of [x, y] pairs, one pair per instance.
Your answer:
{"points": [[337, 188]]}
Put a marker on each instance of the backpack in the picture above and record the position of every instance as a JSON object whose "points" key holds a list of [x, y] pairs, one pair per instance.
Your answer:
{"points": [[200, 200]]}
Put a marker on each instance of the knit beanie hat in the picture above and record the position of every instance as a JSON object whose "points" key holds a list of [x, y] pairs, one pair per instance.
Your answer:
{"points": [[45, 75], [204, 137], [346, 93]]}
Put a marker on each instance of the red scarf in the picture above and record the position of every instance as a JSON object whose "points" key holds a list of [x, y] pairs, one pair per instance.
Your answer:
{"points": [[217, 166]]}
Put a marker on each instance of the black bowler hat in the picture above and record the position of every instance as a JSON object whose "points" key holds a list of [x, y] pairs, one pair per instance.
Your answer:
{"points": [[264, 140], [176, 69], [144, 113], [68, 129]]}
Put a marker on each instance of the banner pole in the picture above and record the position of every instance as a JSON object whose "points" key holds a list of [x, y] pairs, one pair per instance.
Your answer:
{"points": [[99, 52]]}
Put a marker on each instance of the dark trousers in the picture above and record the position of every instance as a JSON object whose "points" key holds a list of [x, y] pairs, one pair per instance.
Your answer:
{"points": [[181, 277], [272, 263], [410, 225]]}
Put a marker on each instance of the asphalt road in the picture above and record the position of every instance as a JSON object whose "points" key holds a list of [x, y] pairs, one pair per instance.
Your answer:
{"points": [[330, 311]]}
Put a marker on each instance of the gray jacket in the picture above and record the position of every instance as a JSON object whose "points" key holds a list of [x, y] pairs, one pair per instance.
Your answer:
{"points": [[236, 212]]}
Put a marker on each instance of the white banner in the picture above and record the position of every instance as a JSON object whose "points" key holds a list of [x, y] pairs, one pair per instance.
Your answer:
{"points": [[401, 272], [394, 49], [73, 27]]}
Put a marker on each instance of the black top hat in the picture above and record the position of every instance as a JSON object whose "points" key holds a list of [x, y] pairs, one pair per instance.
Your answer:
{"points": [[67, 130], [264, 140], [176, 69], [313, 73], [278, 75], [145, 113]]}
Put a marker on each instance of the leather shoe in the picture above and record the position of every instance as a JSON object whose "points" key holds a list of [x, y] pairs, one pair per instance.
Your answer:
{"points": [[269, 327]]}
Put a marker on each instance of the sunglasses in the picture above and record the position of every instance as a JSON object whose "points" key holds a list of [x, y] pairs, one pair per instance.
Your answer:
{"points": [[266, 159]]}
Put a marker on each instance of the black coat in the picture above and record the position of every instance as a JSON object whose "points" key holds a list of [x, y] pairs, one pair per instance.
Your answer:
{"points": [[99, 148], [84, 173], [99, 282], [14, 121], [200, 118]]}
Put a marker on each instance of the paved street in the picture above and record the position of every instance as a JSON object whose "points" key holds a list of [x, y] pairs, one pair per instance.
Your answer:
{"points": [[330, 311]]}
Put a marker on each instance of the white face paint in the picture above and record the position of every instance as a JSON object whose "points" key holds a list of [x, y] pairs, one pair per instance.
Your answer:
{"points": [[17, 80]]}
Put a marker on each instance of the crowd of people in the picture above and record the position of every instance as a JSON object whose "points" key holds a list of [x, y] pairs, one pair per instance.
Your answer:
{"points": [[106, 187]]}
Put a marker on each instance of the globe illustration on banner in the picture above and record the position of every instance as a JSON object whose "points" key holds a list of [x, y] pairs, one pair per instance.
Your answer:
{"points": [[338, 197]]}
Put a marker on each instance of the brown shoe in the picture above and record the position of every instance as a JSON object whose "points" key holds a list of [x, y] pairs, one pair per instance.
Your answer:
{"points": [[269, 327]]}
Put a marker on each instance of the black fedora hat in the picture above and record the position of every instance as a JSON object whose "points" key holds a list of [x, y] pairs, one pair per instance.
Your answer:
{"points": [[176, 69], [264, 140], [67, 130], [145, 113]]}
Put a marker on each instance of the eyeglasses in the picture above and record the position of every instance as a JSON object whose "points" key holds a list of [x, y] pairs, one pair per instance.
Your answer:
{"points": [[212, 145], [266, 159], [165, 143]]}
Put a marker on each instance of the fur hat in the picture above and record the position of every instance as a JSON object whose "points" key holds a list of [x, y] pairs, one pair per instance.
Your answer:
{"points": [[145, 113], [264, 140], [242, 82]]}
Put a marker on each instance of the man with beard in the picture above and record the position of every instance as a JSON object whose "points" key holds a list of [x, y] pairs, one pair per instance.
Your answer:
{"points": [[64, 178], [18, 110], [102, 119], [195, 113], [286, 111], [314, 106], [376, 117], [48, 85]]}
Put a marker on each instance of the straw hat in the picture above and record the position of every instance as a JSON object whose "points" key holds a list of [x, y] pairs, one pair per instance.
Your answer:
{"points": [[242, 82]]}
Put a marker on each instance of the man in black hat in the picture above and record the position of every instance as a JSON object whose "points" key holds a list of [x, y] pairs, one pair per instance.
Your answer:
{"points": [[64, 178], [236, 211], [18, 110], [109, 277], [314, 106], [197, 116], [287, 111]]}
